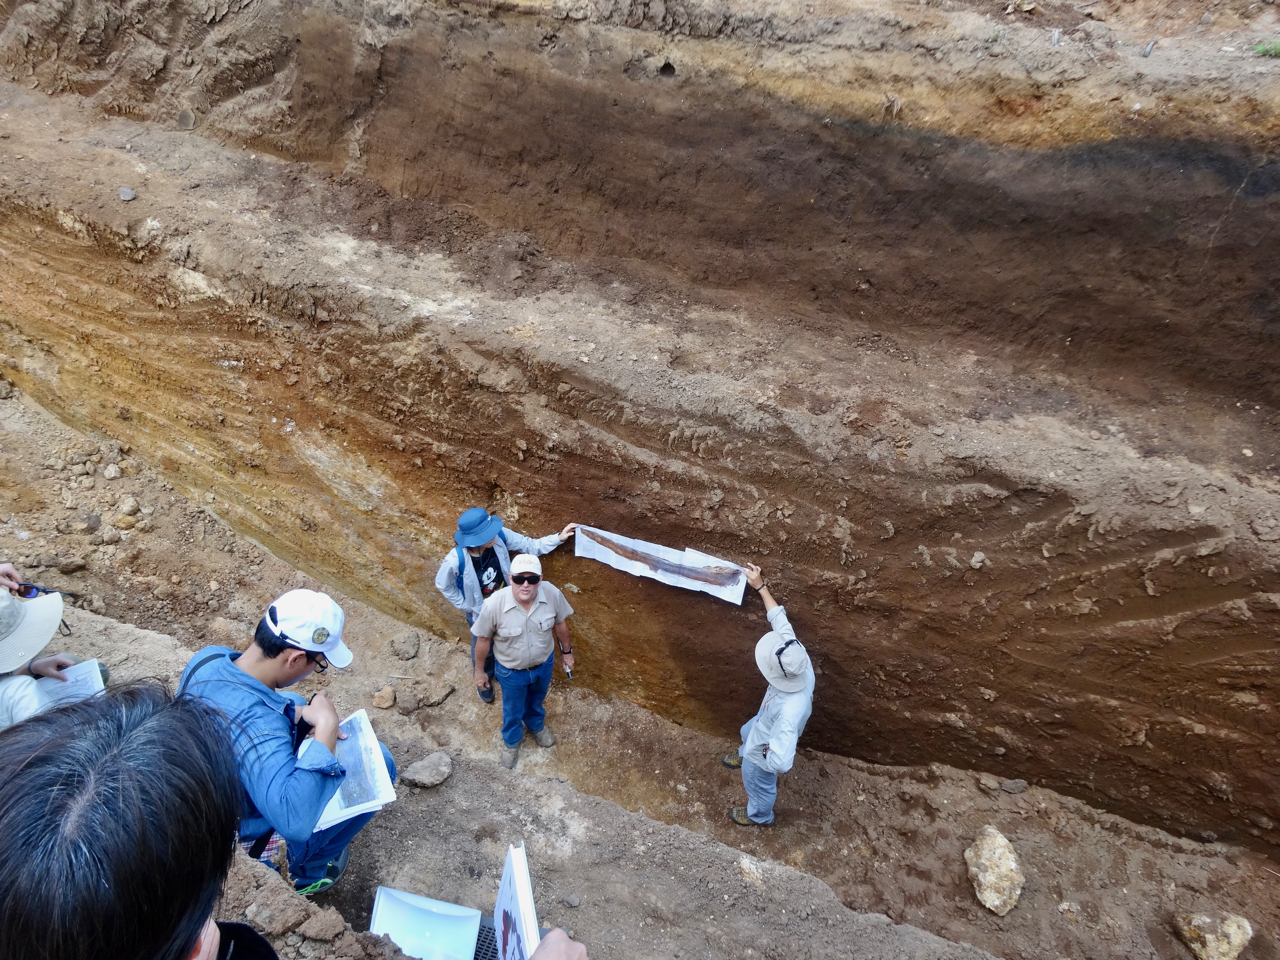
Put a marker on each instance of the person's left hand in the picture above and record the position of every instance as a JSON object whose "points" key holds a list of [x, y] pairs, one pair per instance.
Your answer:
{"points": [[52, 666], [567, 532], [566, 660], [755, 579]]}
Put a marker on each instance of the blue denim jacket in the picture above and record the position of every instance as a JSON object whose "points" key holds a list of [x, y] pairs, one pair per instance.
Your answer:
{"points": [[280, 791]]}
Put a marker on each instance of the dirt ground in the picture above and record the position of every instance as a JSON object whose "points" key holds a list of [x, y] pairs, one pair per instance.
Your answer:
{"points": [[853, 838]]}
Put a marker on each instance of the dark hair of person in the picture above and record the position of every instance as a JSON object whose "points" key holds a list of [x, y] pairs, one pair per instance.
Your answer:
{"points": [[118, 819], [272, 646]]}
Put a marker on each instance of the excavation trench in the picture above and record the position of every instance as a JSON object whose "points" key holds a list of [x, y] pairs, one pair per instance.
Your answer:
{"points": [[987, 383]]}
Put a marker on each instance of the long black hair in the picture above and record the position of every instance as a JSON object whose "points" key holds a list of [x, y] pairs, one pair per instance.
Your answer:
{"points": [[118, 817]]}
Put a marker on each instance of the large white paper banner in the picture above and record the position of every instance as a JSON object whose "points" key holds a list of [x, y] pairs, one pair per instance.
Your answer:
{"points": [[686, 568]]}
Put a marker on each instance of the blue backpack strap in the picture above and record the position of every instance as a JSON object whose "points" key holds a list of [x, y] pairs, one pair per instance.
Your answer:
{"points": [[503, 534], [457, 581]]}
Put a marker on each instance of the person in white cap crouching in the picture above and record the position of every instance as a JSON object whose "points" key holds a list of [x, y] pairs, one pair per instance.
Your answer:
{"points": [[769, 738], [300, 634], [523, 622], [26, 627]]}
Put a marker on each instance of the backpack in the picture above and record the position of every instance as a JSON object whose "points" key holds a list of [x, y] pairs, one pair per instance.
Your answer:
{"points": [[462, 559]]}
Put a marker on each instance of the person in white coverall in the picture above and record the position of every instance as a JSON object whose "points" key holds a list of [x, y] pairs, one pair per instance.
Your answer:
{"points": [[769, 738]]}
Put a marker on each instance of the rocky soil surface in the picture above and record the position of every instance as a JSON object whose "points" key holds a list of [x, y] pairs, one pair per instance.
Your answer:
{"points": [[626, 816]]}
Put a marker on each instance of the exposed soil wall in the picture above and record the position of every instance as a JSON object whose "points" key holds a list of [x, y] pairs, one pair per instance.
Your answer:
{"points": [[981, 410]]}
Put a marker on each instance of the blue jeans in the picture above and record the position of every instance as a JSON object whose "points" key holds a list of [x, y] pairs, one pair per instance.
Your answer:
{"points": [[761, 784], [307, 865], [522, 694]]}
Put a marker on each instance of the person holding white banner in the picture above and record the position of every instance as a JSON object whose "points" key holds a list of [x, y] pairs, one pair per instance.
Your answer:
{"points": [[769, 738]]}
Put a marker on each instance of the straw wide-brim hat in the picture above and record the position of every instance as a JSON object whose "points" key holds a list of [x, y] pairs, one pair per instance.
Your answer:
{"points": [[26, 627], [794, 657]]}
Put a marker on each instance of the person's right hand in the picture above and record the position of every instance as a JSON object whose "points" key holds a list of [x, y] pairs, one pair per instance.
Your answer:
{"points": [[755, 579], [482, 678], [322, 715], [556, 945], [10, 577]]}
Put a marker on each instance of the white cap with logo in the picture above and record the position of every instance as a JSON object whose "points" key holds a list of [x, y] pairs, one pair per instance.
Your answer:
{"points": [[526, 563], [310, 621], [26, 627]]}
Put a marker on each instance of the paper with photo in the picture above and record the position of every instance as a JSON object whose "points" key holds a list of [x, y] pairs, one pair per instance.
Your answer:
{"points": [[688, 569], [515, 920], [84, 680], [367, 786]]}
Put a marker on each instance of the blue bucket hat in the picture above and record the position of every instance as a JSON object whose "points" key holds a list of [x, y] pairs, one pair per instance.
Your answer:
{"points": [[476, 527]]}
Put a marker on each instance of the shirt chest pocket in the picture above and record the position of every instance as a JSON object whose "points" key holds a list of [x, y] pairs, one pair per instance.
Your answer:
{"points": [[547, 622], [510, 632]]}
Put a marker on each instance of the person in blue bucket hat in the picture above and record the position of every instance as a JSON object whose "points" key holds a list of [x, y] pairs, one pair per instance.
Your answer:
{"points": [[480, 566]]}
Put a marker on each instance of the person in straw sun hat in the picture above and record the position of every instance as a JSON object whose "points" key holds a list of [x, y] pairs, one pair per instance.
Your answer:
{"points": [[26, 627], [769, 738]]}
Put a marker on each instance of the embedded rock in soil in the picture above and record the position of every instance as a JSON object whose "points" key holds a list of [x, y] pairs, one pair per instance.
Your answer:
{"points": [[430, 771], [993, 868], [406, 647], [1220, 937], [385, 698]]}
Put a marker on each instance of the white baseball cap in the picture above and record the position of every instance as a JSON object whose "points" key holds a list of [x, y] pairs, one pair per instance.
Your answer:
{"points": [[526, 563], [26, 627], [310, 621], [784, 663]]}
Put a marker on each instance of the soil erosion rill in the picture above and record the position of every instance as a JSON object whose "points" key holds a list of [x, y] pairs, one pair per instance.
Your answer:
{"points": [[964, 320]]}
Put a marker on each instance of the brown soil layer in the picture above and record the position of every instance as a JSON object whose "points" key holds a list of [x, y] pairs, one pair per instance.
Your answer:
{"points": [[999, 421]]}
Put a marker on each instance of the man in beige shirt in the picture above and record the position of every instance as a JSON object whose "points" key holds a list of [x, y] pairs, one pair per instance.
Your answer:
{"points": [[523, 622]]}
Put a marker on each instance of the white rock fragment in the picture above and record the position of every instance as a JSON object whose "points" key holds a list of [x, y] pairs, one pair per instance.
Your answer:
{"points": [[1214, 938], [993, 868], [111, 472]]}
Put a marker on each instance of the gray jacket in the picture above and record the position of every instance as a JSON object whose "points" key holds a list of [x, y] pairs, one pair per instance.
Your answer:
{"points": [[469, 600]]}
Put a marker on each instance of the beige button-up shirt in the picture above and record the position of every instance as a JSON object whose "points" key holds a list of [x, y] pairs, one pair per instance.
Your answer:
{"points": [[522, 641]]}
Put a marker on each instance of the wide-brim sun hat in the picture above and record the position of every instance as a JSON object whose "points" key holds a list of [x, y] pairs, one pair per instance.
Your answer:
{"points": [[311, 621], [26, 627], [476, 527], [792, 677]]}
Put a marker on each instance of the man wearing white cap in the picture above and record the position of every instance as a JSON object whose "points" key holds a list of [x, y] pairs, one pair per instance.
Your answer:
{"points": [[524, 622], [284, 796], [769, 738], [26, 627]]}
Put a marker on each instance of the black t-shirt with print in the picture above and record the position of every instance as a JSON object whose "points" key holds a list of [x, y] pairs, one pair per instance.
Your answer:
{"points": [[489, 572]]}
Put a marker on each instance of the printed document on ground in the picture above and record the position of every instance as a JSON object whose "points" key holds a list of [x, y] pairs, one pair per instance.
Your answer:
{"points": [[515, 921], [686, 568], [367, 785], [84, 680]]}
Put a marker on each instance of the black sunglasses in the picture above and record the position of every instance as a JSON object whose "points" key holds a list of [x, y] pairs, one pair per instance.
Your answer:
{"points": [[523, 578], [779, 652], [28, 591]]}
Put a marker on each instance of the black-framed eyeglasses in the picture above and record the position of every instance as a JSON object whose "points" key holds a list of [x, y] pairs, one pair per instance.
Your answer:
{"points": [[29, 591], [523, 578], [780, 651], [319, 659]]}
